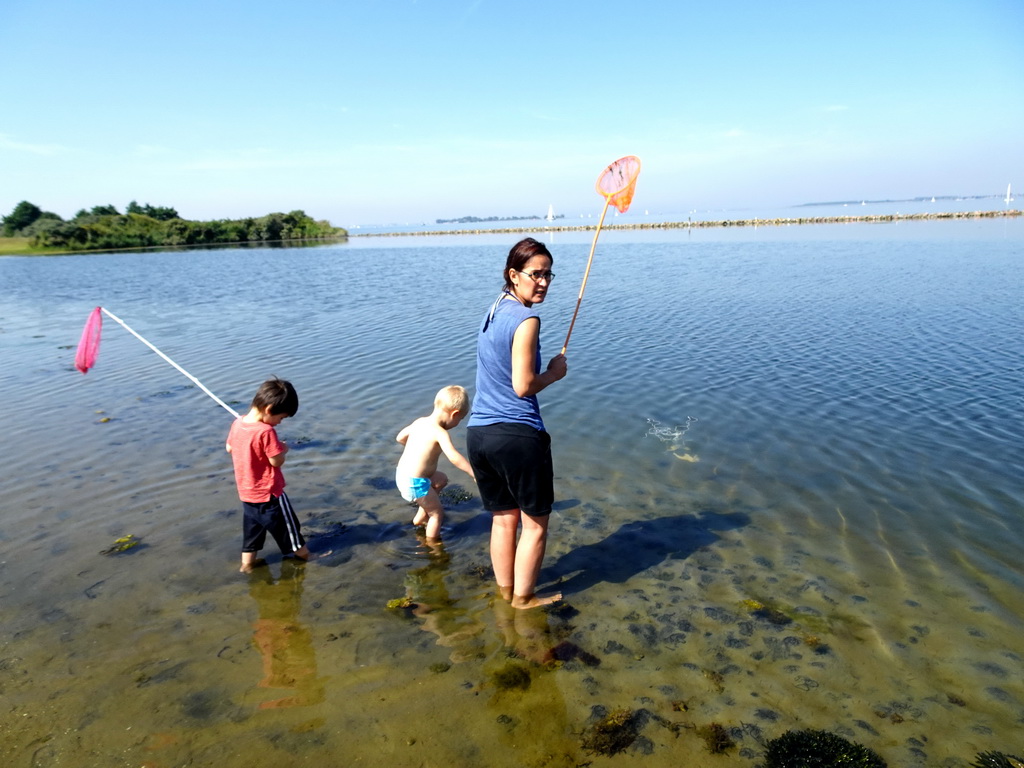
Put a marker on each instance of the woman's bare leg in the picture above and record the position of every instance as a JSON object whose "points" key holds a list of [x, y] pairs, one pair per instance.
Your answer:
{"points": [[528, 558], [504, 527]]}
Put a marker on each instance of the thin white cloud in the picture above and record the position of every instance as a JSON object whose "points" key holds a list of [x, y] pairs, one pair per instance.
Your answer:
{"points": [[469, 12], [249, 160], [149, 150], [6, 142]]}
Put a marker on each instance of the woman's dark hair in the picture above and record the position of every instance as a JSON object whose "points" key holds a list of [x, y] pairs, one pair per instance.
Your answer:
{"points": [[279, 394], [521, 253]]}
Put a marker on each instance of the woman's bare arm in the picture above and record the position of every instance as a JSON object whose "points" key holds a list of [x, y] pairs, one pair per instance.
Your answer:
{"points": [[524, 349]]}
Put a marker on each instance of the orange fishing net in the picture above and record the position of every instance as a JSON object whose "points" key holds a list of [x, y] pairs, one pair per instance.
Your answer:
{"points": [[618, 182]]}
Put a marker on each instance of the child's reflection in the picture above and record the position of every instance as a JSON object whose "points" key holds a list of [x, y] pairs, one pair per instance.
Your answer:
{"points": [[289, 661], [441, 615]]}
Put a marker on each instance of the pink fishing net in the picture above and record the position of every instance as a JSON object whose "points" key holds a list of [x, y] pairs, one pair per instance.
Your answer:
{"points": [[618, 181], [89, 346]]}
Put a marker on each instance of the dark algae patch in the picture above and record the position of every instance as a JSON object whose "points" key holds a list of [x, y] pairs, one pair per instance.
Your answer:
{"points": [[455, 494], [818, 749], [612, 733], [996, 760], [716, 738], [511, 677], [568, 651]]}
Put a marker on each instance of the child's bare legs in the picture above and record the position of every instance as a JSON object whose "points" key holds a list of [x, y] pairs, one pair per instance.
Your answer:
{"points": [[250, 561], [433, 513], [438, 481], [517, 565]]}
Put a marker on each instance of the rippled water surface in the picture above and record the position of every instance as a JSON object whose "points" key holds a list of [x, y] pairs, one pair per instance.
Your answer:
{"points": [[788, 495]]}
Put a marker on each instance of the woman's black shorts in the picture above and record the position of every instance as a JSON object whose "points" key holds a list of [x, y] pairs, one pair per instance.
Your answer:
{"points": [[512, 464]]}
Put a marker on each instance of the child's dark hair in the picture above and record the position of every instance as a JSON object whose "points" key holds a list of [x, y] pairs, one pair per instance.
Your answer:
{"points": [[521, 253], [279, 395]]}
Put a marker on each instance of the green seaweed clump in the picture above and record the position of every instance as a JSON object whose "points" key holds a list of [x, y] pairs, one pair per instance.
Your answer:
{"points": [[511, 676], [716, 738], [398, 603], [612, 733], [122, 544], [440, 667], [996, 760], [818, 749]]}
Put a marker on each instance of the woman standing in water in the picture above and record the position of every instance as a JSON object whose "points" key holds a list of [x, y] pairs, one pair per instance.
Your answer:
{"points": [[508, 447]]}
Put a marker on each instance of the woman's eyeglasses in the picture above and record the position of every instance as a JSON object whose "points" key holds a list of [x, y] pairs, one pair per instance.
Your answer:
{"points": [[538, 276]]}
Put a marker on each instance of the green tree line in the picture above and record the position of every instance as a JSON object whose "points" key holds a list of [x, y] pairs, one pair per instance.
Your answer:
{"points": [[104, 227]]}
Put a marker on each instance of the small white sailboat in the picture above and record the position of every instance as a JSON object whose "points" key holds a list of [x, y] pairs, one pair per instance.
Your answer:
{"points": [[1009, 197], [551, 212]]}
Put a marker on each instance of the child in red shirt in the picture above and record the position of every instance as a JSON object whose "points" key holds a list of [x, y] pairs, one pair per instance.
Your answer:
{"points": [[257, 455]]}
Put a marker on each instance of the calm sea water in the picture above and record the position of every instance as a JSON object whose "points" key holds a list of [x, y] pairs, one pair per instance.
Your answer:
{"points": [[789, 491]]}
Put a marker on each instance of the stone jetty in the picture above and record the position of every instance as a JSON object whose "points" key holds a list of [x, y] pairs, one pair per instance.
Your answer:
{"points": [[689, 224]]}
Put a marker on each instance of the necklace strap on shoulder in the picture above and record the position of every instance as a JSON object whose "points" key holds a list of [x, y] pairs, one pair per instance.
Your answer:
{"points": [[494, 307]]}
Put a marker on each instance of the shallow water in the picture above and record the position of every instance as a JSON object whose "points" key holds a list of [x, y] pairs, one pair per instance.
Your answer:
{"points": [[788, 495]]}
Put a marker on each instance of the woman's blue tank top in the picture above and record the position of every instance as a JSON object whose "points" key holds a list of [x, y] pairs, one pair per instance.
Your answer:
{"points": [[495, 401]]}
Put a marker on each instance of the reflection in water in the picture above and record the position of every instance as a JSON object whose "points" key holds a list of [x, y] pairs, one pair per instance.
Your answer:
{"points": [[523, 676], [289, 661], [520, 672], [426, 589]]}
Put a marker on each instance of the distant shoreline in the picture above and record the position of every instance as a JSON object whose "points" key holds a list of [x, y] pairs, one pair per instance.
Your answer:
{"points": [[688, 224]]}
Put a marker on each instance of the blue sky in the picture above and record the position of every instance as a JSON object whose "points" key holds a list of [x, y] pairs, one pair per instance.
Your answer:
{"points": [[406, 111]]}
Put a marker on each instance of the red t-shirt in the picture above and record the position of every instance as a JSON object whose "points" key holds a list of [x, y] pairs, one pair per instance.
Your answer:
{"points": [[252, 445]]}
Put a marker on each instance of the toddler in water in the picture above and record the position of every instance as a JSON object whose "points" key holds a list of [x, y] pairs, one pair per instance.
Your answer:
{"points": [[417, 476], [257, 455]]}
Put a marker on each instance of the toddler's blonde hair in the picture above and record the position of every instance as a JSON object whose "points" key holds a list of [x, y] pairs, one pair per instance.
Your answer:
{"points": [[452, 398]]}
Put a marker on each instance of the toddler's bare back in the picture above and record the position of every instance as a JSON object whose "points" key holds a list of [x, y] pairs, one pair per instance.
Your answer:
{"points": [[421, 449]]}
